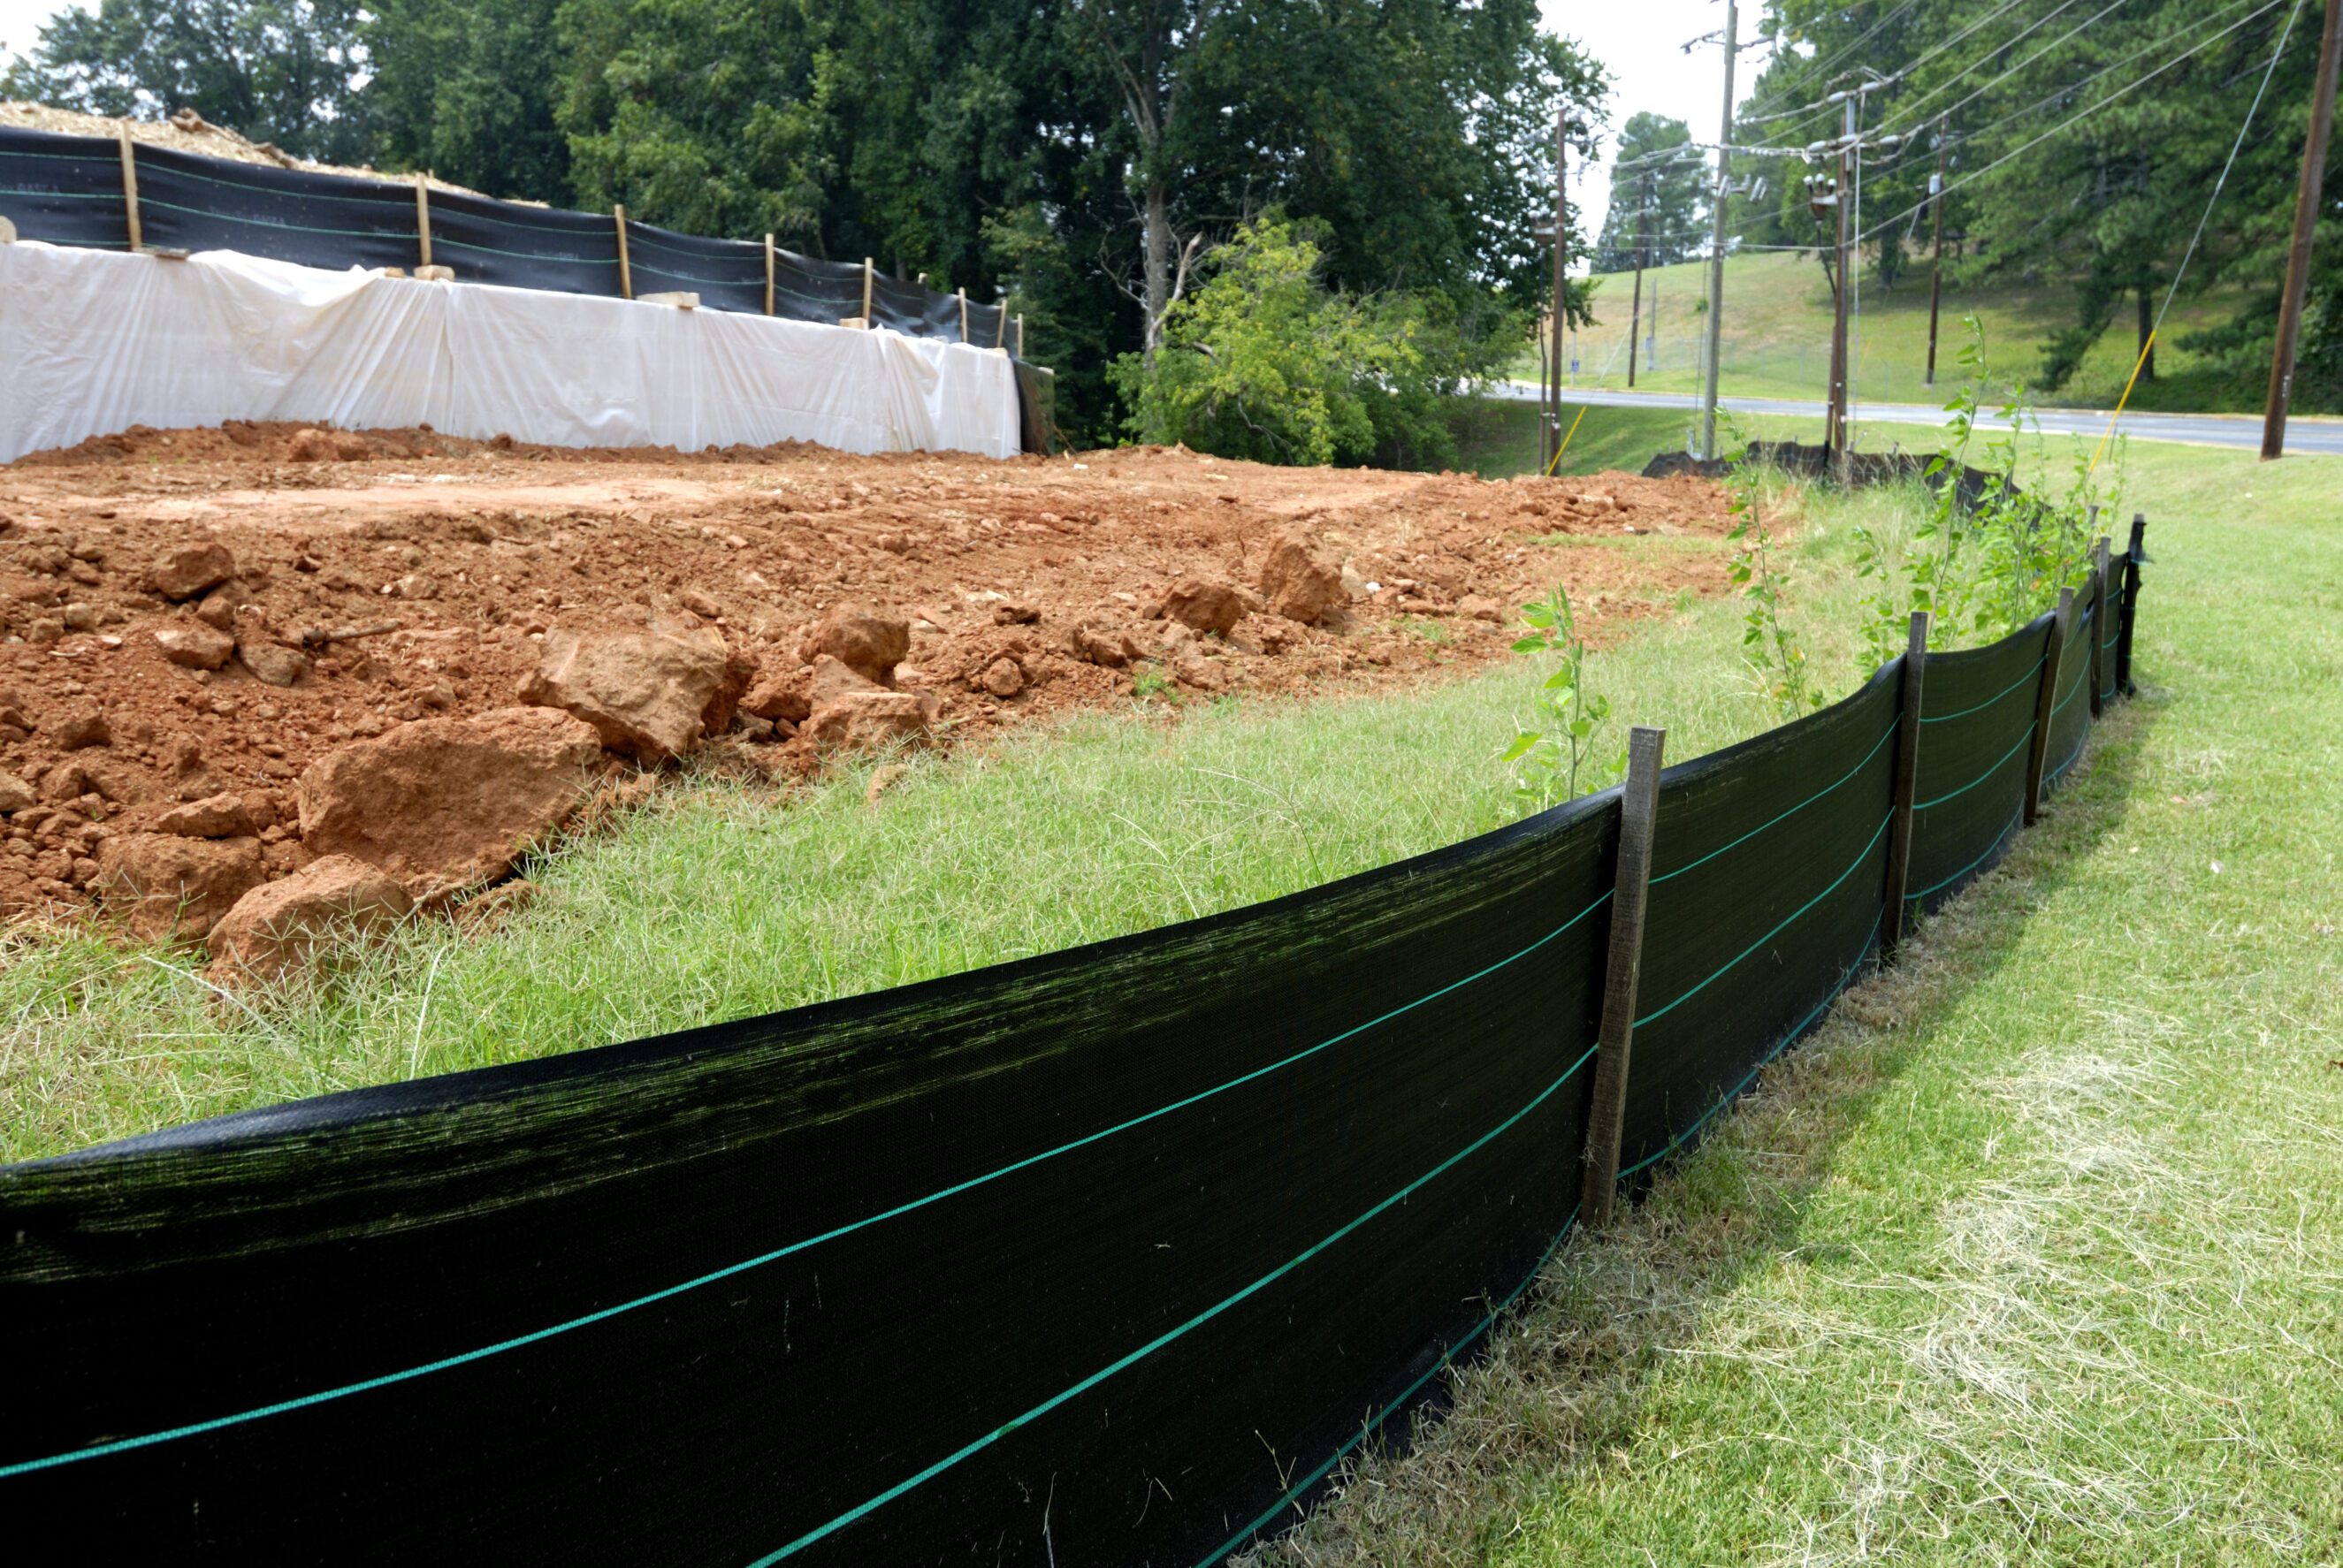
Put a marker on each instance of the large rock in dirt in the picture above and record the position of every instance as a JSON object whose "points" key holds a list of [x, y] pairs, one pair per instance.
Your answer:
{"points": [[870, 721], [185, 570], [1107, 645], [273, 663], [166, 887], [869, 643], [443, 803], [1298, 583], [221, 816], [834, 678], [284, 925], [14, 794], [195, 646], [780, 695], [649, 694], [1202, 604]]}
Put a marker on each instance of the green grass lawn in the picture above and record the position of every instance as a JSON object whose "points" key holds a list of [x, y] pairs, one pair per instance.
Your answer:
{"points": [[1778, 325], [2035, 1253]]}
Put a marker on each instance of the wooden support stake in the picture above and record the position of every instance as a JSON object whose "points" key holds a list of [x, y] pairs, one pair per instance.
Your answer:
{"points": [[1638, 805], [2045, 700], [962, 296], [1020, 335], [2099, 565], [1000, 324], [869, 276], [768, 274], [1908, 766], [423, 219], [626, 272], [2134, 555], [130, 187]]}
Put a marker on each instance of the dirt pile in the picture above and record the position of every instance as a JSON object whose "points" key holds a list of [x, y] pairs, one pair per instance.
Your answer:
{"points": [[322, 655]]}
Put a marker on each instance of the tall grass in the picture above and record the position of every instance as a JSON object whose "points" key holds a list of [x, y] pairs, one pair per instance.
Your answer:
{"points": [[724, 901]]}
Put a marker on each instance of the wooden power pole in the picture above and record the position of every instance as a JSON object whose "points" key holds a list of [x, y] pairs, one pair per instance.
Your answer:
{"points": [[2306, 224], [1936, 268], [1836, 437], [1715, 323], [1643, 253], [1551, 402]]}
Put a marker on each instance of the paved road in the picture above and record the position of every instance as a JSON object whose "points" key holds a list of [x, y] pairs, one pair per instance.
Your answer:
{"points": [[2321, 436]]}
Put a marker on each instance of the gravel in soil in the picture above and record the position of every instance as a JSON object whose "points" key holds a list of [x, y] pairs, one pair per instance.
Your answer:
{"points": [[150, 580]]}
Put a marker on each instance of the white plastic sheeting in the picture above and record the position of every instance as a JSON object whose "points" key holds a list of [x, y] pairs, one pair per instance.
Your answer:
{"points": [[93, 342]]}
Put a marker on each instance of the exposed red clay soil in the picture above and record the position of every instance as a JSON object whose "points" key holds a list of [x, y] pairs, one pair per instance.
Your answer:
{"points": [[397, 576]]}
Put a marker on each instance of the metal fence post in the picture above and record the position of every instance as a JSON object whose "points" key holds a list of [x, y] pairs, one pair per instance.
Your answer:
{"points": [[2099, 563], [2135, 554], [2044, 700], [1638, 804], [1907, 763]]}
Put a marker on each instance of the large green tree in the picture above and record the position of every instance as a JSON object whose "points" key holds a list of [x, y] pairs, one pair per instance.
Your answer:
{"points": [[281, 71], [2082, 145], [468, 92], [1656, 208]]}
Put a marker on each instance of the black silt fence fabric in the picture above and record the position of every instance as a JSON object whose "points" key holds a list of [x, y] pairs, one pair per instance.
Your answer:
{"points": [[1101, 1257], [808, 289], [1976, 727], [726, 273], [1768, 876], [2070, 716], [519, 247], [67, 190], [188, 203]]}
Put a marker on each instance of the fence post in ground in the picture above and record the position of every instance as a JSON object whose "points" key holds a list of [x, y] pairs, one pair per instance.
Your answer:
{"points": [[422, 220], [870, 277], [626, 272], [2099, 564], [1000, 325], [2045, 700], [962, 295], [130, 187], [768, 274], [2134, 554], [1907, 763], [1020, 335], [1638, 805]]}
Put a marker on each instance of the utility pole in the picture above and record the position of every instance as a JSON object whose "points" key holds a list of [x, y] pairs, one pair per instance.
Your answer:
{"points": [[1834, 438], [1716, 239], [1551, 399], [1643, 250], [1936, 268], [2306, 222]]}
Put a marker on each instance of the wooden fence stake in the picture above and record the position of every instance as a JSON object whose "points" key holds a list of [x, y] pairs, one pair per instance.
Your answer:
{"points": [[1000, 324], [963, 314], [130, 187], [870, 275], [1020, 335], [1907, 764], [626, 272], [2099, 626], [1638, 805], [423, 219], [2044, 700], [2134, 555], [768, 274]]}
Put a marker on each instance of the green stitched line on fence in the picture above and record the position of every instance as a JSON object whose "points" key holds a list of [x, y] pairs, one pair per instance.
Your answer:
{"points": [[384, 191], [2014, 819], [439, 242], [1777, 930], [271, 223], [978, 1446], [61, 196], [1374, 1423], [1795, 1030], [1981, 778], [1988, 702], [465, 1358], [1801, 806]]}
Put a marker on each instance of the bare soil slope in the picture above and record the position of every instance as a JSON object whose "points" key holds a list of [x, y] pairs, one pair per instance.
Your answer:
{"points": [[419, 574]]}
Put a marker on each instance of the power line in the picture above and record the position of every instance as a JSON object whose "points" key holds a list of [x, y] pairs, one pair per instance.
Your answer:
{"points": [[2075, 119], [1907, 109], [1815, 72]]}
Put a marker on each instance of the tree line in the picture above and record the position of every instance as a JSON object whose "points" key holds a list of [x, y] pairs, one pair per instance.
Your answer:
{"points": [[1083, 158], [2156, 91]]}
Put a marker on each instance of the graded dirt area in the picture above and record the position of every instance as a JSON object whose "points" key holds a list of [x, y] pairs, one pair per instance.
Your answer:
{"points": [[387, 577]]}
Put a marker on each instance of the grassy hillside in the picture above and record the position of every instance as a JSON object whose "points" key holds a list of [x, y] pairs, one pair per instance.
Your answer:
{"points": [[1777, 321]]}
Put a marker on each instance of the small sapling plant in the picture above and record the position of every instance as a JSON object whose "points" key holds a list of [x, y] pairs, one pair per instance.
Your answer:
{"points": [[1556, 760]]}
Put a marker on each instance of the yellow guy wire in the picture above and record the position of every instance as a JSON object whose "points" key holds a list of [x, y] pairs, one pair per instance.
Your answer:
{"points": [[1558, 451], [2145, 349]]}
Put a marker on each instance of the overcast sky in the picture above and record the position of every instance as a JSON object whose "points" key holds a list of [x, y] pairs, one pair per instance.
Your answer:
{"points": [[1640, 42]]}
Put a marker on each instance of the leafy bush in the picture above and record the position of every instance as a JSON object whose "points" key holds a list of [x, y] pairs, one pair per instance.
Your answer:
{"points": [[1262, 361]]}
